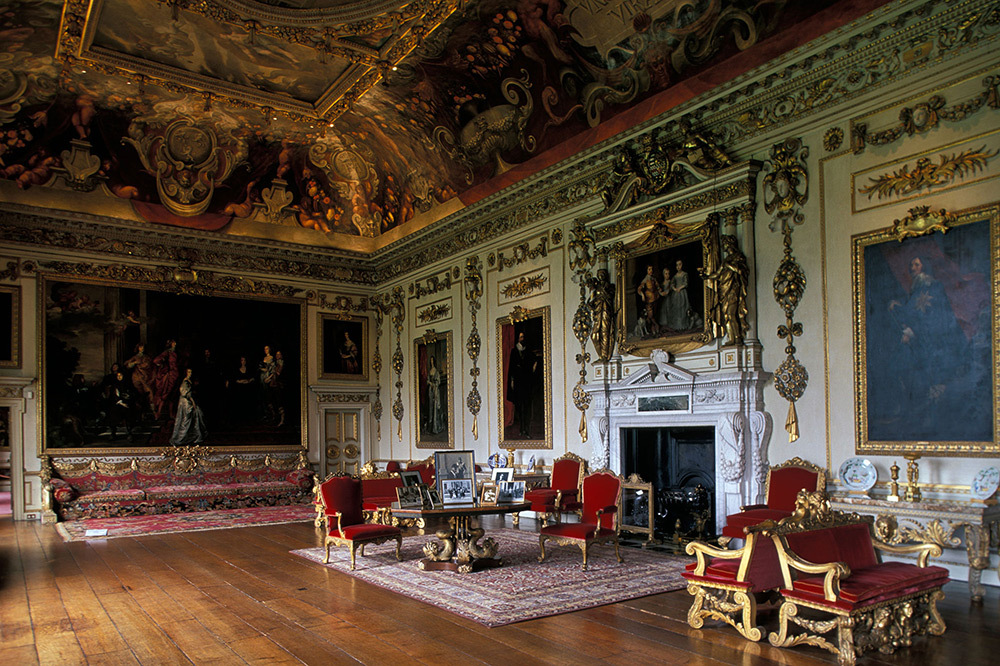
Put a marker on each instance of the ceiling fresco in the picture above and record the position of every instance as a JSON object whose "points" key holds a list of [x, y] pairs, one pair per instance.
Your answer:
{"points": [[337, 117]]}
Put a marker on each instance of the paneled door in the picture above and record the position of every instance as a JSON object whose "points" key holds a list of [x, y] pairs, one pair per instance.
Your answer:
{"points": [[342, 450]]}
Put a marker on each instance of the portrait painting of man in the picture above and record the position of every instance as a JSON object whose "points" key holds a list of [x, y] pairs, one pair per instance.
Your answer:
{"points": [[523, 378]]}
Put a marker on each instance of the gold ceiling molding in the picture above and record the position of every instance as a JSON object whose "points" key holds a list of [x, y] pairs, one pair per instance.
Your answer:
{"points": [[350, 38]]}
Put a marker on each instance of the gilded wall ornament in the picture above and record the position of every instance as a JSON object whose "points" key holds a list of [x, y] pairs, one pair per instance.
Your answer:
{"points": [[524, 286], [582, 255], [832, 139], [786, 188], [342, 306], [277, 199], [605, 313], [80, 166], [473, 284], [927, 175], [433, 312], [730, 282], [187, 162], [431, 286], [922, 220], [522, 253]]}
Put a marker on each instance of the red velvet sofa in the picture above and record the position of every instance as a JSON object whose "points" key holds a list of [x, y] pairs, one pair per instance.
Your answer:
{"points": [[145, 486]]}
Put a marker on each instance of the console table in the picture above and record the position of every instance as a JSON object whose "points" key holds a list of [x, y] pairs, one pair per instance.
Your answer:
{"points": [[949, 524], [458, 548]]}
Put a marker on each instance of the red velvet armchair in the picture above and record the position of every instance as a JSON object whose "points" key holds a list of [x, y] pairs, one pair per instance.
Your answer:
{"points": [[601, 498], [563, 493], [784, 482], [345, 524]]}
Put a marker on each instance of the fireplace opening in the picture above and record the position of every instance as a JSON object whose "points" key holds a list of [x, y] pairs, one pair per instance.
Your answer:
{"points": [[680, 463]]}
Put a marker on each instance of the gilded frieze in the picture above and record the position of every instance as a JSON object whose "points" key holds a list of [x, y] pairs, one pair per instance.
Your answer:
{"points": [[432, 285], [519, 254], [925, 174], [434, 312]]}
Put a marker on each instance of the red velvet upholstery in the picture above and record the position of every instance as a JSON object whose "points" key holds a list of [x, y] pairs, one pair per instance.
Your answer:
{"points": [[850, 544], [601, 495], [565, 478], [342, 494], [763, 572], [867, 586], [426, 471], [345, 523], [379, 493], [784, 482], [393, 466]]}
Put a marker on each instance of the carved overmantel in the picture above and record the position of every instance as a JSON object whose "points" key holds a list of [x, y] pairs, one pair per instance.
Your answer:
{"points": [[655, 393]]}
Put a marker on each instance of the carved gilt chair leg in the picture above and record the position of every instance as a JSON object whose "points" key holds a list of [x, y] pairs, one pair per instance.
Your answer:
{"points": [[845, 640], [541, 545], [399, 548], [354, 549], [617, 552], [584, 547], [326, 560], [748, 628], [696, 618], [936, 625]]}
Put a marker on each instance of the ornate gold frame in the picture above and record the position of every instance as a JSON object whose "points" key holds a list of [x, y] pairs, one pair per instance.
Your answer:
{"points": [[445, 366], [519, 314], [663, 243], [323, 351], [180, 280], [15, 327], [923, 221]]}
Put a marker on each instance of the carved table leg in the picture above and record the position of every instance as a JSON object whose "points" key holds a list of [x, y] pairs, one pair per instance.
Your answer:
{"points": [[977, 544]]}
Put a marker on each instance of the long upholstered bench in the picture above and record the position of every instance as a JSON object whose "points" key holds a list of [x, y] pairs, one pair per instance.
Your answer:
{"points": [[94, 488]]}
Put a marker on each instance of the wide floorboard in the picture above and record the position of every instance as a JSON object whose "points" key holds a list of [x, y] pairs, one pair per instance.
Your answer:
{"points": [[237, 596]]}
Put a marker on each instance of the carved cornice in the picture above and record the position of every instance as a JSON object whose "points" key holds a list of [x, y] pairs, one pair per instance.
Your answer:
{"points": [[179, 280], [88, 234]]}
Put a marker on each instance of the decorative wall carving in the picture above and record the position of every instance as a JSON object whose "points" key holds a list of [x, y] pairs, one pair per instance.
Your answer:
{"points": [[786, 189], [434, 312], [926, 174], [521, 253], [431, 286], [473, 283]]}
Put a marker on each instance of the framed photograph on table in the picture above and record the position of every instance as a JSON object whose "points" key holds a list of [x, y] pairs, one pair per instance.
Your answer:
{"points": [[524, 379], [410, 497], [927, 321], [510, 492], [501, 474], [488, 494], [433, 377], [411, 477], [665, 302], [432, 498], [457, 491], [343, 348]]}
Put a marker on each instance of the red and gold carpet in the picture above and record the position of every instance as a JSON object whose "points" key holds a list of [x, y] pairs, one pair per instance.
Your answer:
{"points": [[133, 526], [523, 588]]}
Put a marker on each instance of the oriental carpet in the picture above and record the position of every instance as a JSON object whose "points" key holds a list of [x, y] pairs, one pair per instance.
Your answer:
{"points": [[133, 526], [523, 588]]}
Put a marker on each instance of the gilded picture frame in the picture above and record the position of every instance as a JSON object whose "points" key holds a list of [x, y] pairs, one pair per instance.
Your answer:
{"points": [[10, 326], [244, 351], [926, 329], [343, 348], [524, 379], [434, 382], [664, 303]]}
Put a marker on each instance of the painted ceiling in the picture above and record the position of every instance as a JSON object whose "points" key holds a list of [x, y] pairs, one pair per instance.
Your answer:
{"points": [[338, 117]]}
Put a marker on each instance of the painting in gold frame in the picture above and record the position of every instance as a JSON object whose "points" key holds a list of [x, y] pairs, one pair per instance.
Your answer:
{"points": [[343, 348], [664, 301], [10, 326], [95, 327], [524, 379], [926, 326], [434, 382]]}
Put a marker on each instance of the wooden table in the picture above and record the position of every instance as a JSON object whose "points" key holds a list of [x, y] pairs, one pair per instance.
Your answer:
{"points": [[458, 547]]}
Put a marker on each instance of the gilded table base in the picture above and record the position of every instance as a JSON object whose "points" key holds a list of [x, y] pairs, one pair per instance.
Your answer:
{"points": [[458, 548]]}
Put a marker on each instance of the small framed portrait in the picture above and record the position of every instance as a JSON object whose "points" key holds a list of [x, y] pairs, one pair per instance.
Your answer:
{"points": [[502, 474], [432, 373], [410, 477], [666, 303], [432, 498], [457, 491], [10, 327], [510, 492], [343, 348], [488, 494], [409, 497]]}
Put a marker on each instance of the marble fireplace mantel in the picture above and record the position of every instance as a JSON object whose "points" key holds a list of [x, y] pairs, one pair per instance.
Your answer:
{"points": [[655, 393]]}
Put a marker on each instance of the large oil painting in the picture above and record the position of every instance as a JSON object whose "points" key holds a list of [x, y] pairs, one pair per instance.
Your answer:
{"points": [[140, 369], [925, 332], [343, 349], [10, 327], [434, 382], [664, 299], [524, 379]]}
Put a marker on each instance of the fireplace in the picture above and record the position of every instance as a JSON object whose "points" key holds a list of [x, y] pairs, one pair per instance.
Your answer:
{"points": [[719, 407], [680, 463]]}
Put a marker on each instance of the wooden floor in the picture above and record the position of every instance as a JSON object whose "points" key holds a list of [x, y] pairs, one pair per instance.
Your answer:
{"points": [[237, 596]]}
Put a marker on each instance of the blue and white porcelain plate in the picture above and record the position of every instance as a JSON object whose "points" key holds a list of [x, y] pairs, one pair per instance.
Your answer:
{"points": [[497, 460], [985, 483], [858, 474]]}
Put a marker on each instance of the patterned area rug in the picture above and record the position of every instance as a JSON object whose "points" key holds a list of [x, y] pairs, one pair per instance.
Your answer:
{"points": [[111, 528], [523, 588]]}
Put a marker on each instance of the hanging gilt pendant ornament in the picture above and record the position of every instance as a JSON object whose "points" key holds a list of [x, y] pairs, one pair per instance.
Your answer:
{"points": [[581, 255], [473, 292], [786, 188]]}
